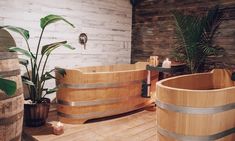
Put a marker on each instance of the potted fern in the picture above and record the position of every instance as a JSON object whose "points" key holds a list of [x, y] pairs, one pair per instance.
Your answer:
{"points": [[36, 110], [195, 36]]}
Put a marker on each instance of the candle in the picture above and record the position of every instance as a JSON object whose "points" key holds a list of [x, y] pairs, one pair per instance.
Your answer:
{"points": [[148, 82], [166, 63], [58, 129], [153, 61], [156, 61]]}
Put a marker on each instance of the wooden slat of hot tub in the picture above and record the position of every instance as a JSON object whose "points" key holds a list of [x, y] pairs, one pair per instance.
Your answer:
{"points": [[222, 78]]}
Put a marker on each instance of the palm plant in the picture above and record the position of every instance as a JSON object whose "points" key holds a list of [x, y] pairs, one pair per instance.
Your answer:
{"points": [[36, 75], [195, 36]]}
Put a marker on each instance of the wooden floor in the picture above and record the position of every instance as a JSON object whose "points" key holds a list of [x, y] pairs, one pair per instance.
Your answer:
{"points": [[135, 126]]}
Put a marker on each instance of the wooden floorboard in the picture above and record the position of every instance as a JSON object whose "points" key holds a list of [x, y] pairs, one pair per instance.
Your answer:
{"points": [[135, 126]]}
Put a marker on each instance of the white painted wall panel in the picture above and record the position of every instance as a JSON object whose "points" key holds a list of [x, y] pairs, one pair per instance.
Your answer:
{"points": [[106, 22]]}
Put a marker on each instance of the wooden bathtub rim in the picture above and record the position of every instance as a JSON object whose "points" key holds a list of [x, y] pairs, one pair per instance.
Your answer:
{"points": [[182, 137], [83, 72], [159, 84], [109, 72]]}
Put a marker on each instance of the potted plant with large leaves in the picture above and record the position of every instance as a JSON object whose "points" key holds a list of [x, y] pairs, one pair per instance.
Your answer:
{"points": [[36, 111], [195, 38]]}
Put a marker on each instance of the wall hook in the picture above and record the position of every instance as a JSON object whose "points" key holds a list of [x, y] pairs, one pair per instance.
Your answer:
{"points": [[83, 39]]}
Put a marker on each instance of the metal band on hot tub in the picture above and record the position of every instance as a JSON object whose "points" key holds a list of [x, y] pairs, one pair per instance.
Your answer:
{"points": [[97, 85], [181, 137], [191, 110], [101, 85], [95, 102], [97, 114]]}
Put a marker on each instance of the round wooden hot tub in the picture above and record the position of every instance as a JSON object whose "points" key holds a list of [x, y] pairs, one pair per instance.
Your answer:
{"points": [[95, 92], [196, 107]]}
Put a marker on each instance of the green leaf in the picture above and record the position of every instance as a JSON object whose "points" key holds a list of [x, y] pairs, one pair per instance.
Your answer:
{"points": [[23, 51], [69, 46], [8, 86], [52, 19], [47, 49], [26, 81], [19, 30], [47, 76], [195, 37], [49, 91], [23, 61]]}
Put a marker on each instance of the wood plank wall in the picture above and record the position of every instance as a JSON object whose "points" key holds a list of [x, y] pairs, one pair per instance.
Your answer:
{"points": [[106, 22], [153, 28]]}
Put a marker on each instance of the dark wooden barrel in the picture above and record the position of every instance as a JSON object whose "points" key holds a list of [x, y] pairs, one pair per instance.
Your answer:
{"points": [[11, 108]]}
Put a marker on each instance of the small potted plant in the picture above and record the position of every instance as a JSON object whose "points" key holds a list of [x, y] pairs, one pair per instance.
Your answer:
{"points": [[37, 107]]}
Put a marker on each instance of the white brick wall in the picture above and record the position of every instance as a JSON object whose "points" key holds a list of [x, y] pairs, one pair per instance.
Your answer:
{"points": [[106, 22]]}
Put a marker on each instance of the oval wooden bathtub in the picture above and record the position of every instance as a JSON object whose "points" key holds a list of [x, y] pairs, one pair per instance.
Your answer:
{"points": [[94, 92], [196, 107]]}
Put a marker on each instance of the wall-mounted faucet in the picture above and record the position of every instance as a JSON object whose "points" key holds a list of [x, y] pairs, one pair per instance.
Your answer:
{"points": [[83, 39]]}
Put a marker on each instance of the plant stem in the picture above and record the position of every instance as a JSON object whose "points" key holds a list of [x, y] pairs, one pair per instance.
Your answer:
{"points": [[39, 42], [44, 65], [35, 78], [31, 61], [27, 70], [39, 64]]}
